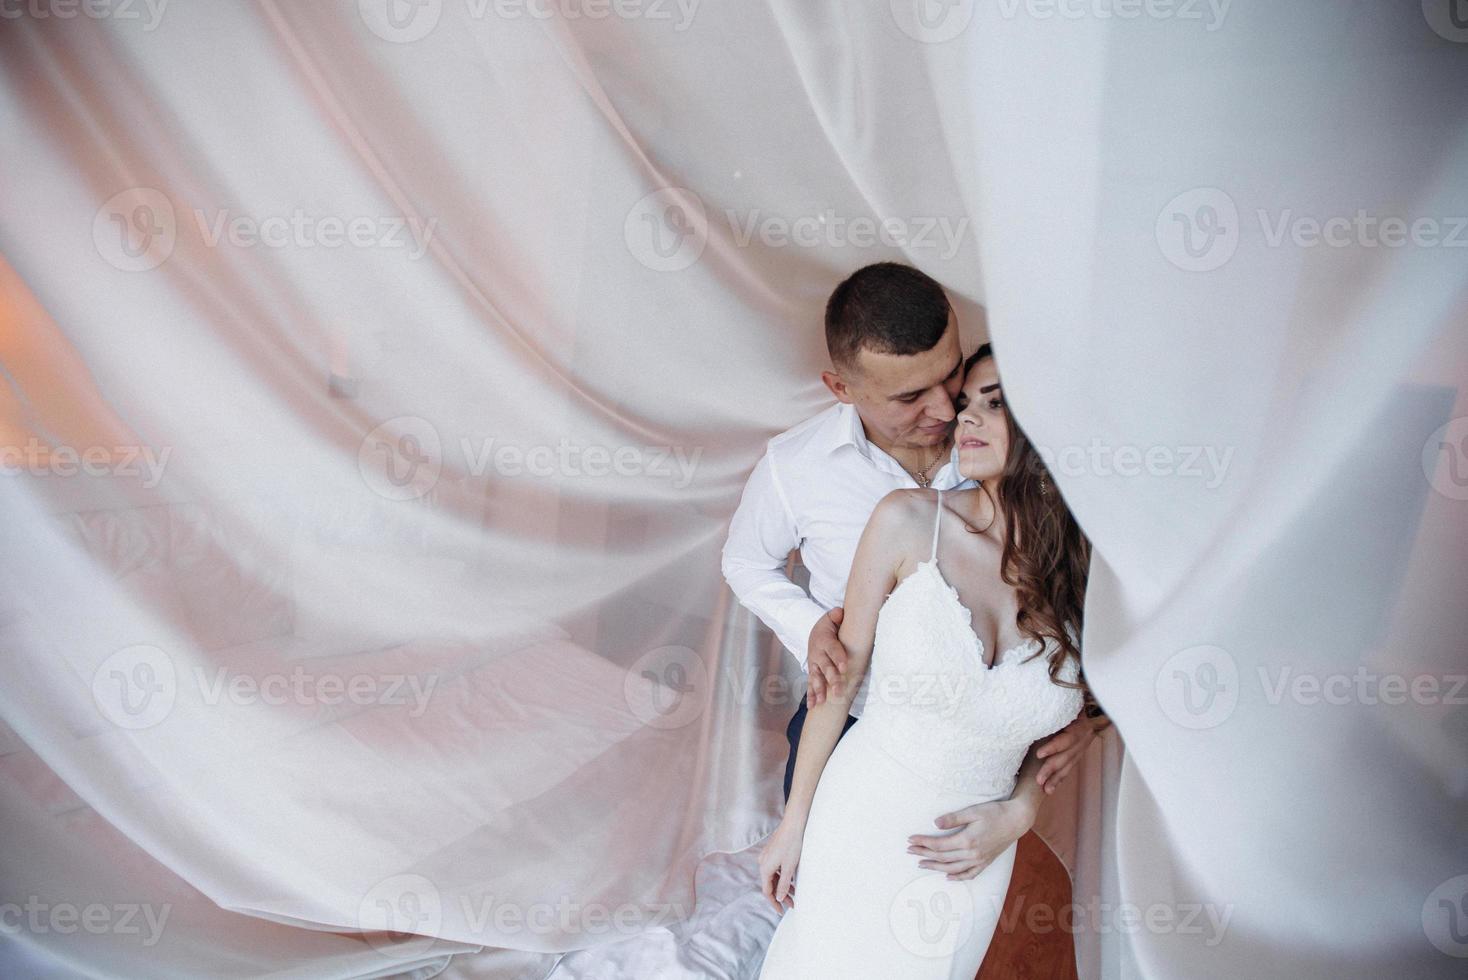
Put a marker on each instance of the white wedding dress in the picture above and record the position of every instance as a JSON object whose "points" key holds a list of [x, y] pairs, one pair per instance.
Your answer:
{"points": [[940, 731]]}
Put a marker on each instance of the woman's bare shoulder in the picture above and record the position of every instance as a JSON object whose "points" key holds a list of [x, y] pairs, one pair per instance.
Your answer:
{"points": [[904, 517]]}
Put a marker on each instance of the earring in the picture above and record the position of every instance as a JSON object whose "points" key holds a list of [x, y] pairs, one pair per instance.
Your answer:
{"points": [[1044, 487]]}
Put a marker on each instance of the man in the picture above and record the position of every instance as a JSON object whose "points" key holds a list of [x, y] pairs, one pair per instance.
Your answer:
{"points": [[896, 366]]}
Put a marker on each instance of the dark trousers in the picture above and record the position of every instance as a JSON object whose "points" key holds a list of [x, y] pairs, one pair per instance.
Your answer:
{"points": [[792, 735]]}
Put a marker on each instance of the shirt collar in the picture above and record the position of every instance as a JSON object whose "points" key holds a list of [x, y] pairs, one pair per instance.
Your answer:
{"points": [[845, 429]]}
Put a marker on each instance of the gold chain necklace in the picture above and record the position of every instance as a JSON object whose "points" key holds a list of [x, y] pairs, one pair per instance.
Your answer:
{"points": [[921, 477]]}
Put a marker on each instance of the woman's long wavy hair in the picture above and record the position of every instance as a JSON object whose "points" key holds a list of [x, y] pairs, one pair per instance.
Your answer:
{"points": [[1045, 554]]}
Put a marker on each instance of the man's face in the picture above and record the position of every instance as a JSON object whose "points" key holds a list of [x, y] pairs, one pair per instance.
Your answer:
{"points": [[906, 400]]}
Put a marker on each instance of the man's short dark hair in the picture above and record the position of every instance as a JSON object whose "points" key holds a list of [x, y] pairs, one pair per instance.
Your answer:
{"points": [[886, 308]]}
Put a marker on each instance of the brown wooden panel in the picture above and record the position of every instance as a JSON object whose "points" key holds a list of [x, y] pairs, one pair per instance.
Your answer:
{"points": [[1031, 946]]}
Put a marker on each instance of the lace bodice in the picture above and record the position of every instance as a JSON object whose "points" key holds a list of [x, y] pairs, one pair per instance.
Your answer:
{"points": [[938, 709]]}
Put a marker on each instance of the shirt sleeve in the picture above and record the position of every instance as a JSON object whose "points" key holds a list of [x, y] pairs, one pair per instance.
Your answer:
{"points": [[761, 536]]}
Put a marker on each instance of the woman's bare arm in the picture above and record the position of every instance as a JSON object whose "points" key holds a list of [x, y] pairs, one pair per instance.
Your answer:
{"points": [[886, 543]]}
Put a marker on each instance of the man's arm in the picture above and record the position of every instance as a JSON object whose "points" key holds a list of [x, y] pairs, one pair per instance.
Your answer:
{"points": [[762, 534], [989, 828]]}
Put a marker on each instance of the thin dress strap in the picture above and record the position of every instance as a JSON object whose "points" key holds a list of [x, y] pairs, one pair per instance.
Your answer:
{"points": [[936, 519]]}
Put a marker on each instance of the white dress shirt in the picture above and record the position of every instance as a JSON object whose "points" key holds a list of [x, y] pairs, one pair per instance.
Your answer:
{"points": [[814, 489]]}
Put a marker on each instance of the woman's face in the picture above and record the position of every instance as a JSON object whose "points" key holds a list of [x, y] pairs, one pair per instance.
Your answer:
{"points": [[982, 434]]}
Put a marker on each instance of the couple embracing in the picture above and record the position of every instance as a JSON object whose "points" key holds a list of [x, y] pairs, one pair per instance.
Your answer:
{"points": [[940, 637]]}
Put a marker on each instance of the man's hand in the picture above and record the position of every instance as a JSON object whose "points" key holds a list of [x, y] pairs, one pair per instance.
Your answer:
{"points": [[825, 660], [988, 829], [1062, 751]]}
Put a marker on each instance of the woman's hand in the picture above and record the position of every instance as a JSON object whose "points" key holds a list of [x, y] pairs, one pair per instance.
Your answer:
{"points": [[777, 863]]}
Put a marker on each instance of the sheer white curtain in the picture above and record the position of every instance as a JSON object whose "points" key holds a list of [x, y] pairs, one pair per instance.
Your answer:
{"points": [[379, 380], [1225, 271]]}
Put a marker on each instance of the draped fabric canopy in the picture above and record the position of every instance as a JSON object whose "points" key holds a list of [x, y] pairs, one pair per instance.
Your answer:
{"points": [[379, 379]]}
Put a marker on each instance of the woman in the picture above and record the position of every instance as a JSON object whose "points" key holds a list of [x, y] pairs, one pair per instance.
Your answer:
{"points": [[939, 582]]}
